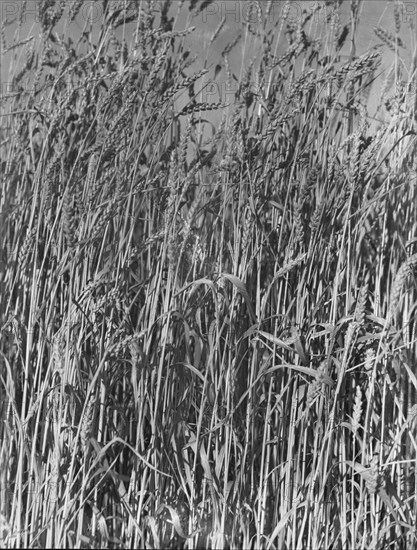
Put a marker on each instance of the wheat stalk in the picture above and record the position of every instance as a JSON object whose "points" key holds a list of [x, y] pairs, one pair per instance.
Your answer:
{"points": [[357, 411], [87, 424], [403, 273], [372, 477]]}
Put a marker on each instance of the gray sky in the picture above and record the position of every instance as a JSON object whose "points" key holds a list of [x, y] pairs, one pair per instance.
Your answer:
{"points": [[235, 14]]}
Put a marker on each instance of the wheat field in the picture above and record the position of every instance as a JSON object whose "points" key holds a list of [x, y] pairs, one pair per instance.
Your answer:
{"points": [[208, 301]]}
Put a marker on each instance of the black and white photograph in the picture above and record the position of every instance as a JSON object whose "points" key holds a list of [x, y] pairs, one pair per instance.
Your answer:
{"points": [[208, 274]]}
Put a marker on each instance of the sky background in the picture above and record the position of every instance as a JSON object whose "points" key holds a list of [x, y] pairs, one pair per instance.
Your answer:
{"points": [[235, 14]]}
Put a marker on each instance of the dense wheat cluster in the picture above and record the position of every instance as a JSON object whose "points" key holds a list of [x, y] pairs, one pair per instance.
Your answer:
{"points": [[207, 301]]}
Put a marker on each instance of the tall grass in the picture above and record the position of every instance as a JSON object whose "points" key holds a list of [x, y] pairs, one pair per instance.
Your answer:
{"points": [[207, 333]]}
